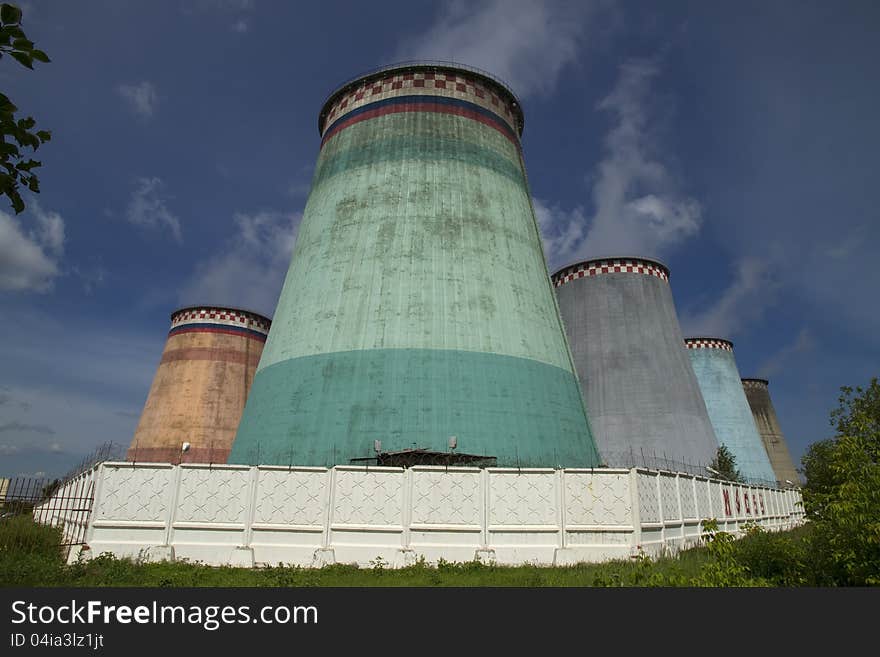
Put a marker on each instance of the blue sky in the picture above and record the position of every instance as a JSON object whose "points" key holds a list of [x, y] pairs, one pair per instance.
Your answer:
{"points": [[735, 141]]}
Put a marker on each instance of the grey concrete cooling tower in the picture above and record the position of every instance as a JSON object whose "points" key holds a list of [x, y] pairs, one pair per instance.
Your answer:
{"points": [[718, 375], [642, 398], [758, 393]]}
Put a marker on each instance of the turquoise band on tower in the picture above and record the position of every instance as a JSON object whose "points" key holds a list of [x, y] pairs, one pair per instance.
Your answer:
{"points": [[338, 403]]}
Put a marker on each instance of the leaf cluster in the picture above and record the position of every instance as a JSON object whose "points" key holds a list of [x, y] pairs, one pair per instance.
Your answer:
{"points": [[842, 493], [18, 134]]}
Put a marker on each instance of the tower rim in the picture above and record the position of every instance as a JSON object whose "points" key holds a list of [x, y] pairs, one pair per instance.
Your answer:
{"points": [[215, 306], [637, 258], [764, 382], [690, 339], [424, 65]]}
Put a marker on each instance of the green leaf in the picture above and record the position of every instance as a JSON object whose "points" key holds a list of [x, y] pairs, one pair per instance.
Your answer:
{"points": [[26, 124], [23, 59], [10, 13], [27, 166], [44, 135], [40, 56], [23, 44], [17, 203]]}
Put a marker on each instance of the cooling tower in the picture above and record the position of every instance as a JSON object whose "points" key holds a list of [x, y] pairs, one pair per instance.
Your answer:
{"points": [[417, 305], [201, 386], [718, 376], [642, 398], [758, 394]]}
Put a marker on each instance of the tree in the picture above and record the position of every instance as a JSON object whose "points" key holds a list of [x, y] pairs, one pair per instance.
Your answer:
{"points": [[724, 464], [17, 135], [842, 493]]}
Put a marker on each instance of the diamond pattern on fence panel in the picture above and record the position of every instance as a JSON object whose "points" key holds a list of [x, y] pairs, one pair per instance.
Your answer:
{"points": [[446, 498], [669, 497], [213, 495], [704, 501], [528, 499], [649, 503], [597, 499], [291, 497], [719, 508], [686, 491], [368, 498], [132, 493]]}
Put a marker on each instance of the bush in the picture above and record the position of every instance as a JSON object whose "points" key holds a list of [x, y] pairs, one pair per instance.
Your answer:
{"points": [[780, 559], [842, 493]]}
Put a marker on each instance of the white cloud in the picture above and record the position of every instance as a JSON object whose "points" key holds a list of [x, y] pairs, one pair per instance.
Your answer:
{"points": [[241, 26], [29, 262], [148, 207], [638, 209], [525, 43], [561, 231], [804, 342], [141, 97], [249, 272], [637, 206], [753, 290], [50, 229]]}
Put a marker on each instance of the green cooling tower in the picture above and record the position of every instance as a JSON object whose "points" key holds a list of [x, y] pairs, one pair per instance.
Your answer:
{"points": [[418, 304]]}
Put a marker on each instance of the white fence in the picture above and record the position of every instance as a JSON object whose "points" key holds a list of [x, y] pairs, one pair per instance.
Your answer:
{"points": [[242, 515]]}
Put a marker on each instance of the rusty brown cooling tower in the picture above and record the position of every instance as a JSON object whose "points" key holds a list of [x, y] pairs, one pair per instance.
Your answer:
{"points": [[201, 386], [758, 394]]}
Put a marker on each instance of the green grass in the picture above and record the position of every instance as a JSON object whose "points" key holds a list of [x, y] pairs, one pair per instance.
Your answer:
{"points": [[30, 555]]}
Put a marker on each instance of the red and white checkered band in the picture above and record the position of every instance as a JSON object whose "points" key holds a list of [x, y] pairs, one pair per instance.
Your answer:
{"points": [[614, 266], [708, 343], [448, 85], [221, 317]]}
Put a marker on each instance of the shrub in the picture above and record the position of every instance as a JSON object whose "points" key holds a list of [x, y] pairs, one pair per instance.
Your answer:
{"points": [[842, 494]]}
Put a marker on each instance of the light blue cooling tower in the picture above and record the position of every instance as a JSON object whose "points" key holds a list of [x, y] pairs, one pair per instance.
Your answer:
{"points": [[729, 411]]}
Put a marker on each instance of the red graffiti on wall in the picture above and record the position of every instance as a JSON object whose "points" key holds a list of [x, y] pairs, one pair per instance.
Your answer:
{"points": [[746, 500], [726, 502], [761, 497], [736, 499]]}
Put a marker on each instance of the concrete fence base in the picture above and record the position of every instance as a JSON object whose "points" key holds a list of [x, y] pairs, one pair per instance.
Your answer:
{"points": [[307, 516]]}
